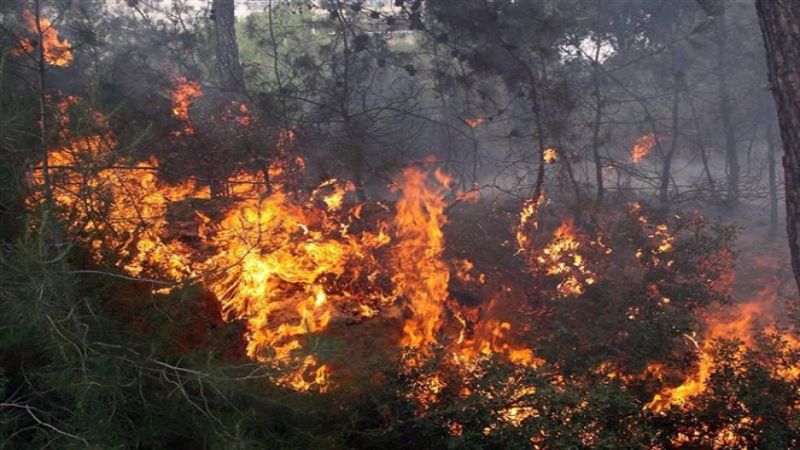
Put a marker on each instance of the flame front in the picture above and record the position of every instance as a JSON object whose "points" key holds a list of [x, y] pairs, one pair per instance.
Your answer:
{"points": [[293, 265], [733, 322]]}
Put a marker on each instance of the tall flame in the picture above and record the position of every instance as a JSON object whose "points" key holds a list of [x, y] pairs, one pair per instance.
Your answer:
{"points": [[528, 221], [420, 273]]}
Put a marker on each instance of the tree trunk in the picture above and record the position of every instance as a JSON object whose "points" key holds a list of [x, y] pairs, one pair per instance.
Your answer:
{"points": [[773, 176], [42, 67], [228, 65], [598, 113], [666, 167], [780, 23], [731, 156], [701, 147], [538, 187]]}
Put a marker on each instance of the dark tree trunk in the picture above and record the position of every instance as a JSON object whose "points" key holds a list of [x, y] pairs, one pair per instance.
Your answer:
{"points": [[666, 167], [228, 65], [701, 147], [731, 154], [773, 176], [598, 113], [538, 187], [780, 23], [42, 67]]}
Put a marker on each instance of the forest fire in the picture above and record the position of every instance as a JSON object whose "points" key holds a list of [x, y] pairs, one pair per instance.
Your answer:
{"points": [[288, 265], [276, 261], [395, 226]]}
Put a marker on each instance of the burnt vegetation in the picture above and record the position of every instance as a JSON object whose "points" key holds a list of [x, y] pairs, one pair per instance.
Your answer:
{"points": [[399, 224]]}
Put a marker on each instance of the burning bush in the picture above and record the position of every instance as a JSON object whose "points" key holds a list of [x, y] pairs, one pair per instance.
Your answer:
{"points": [[552, 343]]}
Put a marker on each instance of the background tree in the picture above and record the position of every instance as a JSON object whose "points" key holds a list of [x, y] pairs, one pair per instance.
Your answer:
{"points": [[227, 50]]}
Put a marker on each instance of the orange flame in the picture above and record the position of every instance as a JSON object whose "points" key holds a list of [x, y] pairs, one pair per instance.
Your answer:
{"points": [[475, 121], [182, 97], [550, 155], [642, 146], [115, 204], [527, 221], [561, 257], [420, 273], [735, 322], [290, 266], [57, 52], [493, 337]]}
